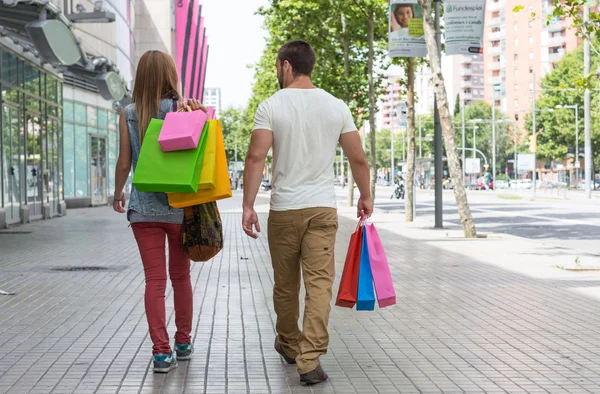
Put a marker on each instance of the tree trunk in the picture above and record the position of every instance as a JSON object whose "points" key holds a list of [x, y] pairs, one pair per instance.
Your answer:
{"points": [[412, 146], [446, 120], [372, 103], [347, 76]]}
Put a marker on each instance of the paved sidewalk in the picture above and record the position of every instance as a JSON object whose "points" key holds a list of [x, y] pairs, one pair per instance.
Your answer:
{"points": [[461, 324]]}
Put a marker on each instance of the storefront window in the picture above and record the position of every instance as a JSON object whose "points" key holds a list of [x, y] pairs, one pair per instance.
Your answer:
{"points": [[81, 161], [92, 116], [102, 119], [69, 154], [68, 111], [31, 133], [80, 113], [31, 77]]}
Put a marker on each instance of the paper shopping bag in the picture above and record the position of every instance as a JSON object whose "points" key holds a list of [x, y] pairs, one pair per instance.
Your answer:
{"points": [[158, 171], [382, 277], [208, 174], [182, 130], [348, 290], [222, 187], [366, 295]]}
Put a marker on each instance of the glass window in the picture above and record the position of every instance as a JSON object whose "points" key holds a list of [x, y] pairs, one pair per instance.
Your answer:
{"points": [[80, 113], [9, 68], [51, 89], [530, 39], [112, 121], [81, 161], [33, 103], [102, 119], [52, 110], [69, 155], [31, 77], [112, 160], [68, 111], [92, 116], [59, 91]]}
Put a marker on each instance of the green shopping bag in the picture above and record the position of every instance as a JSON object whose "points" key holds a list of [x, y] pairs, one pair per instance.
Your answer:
{"points": [[168, 172]]}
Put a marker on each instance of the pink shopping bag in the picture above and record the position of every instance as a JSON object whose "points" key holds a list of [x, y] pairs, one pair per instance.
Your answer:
{"points": [[382, 277], [211, 112], [182, 130]]}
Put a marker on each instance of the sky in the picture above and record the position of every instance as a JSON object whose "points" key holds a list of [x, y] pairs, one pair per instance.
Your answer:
{"points": [[236, 40]]}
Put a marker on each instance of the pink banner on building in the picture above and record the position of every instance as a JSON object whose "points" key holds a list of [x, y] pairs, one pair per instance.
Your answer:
{"points": [[199, 60], [188, 73], [203, 72], [181, 19]]}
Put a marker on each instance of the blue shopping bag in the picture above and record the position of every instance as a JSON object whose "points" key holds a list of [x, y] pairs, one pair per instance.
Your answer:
{"points": [[366, 292]]}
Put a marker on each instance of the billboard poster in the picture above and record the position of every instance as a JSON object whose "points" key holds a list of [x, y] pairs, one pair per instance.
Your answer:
{"points": [[463, 26], [405, 34]]}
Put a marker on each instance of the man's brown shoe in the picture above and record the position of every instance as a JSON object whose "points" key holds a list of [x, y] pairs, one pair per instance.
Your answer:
{"points": [[315, 376], [279, 349]]}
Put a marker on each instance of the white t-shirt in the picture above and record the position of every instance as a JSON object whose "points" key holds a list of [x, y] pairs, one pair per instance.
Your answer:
{"points": [[306, 125]]}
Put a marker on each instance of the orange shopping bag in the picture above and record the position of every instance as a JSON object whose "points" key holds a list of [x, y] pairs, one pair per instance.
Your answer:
{"points": [[208, 174], [222, 187]]}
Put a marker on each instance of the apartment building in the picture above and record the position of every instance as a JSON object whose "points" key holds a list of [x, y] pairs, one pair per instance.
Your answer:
{"points": [[518, 48], [464, 75], [212, 98]]}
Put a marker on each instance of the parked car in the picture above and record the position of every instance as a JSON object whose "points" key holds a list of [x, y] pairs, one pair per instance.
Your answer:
{"points": [[581, 184], [501, 184]]}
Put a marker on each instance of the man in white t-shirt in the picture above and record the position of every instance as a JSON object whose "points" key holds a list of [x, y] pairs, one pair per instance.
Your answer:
{"points": [[303, 125]]}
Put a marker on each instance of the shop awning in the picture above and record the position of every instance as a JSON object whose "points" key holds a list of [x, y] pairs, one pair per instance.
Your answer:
{"points": [[42, 29]]}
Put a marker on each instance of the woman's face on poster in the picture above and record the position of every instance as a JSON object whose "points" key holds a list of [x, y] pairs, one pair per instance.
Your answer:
{"points": [[403, 14]]}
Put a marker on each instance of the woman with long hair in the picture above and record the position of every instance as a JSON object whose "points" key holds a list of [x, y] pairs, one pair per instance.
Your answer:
{"points": [[152, 219]]}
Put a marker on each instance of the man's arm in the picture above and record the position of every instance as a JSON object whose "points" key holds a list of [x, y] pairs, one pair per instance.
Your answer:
{"points": [[255, 163], [352, 146]]}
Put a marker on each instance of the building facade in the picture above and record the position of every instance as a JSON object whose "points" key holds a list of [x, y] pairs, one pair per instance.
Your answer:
{"points": [[465, 78], [520, 50], [61, 103], [212, 98]]}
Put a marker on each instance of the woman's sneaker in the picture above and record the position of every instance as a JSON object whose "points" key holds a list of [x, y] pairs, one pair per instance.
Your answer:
{"points": [[184, 351], [164, 362]]}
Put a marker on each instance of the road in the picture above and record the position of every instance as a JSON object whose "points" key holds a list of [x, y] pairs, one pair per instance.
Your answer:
{"points": [[571, 224]]}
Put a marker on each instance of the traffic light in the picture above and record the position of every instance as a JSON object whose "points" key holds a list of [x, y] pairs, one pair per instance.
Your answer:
{"points": [[533, 143]]}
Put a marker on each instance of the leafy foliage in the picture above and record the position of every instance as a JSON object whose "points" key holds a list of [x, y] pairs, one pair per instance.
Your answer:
{"points": [[561, 87]]}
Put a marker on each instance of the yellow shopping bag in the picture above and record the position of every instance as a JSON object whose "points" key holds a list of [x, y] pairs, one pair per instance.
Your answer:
{"points": [[222, 187], [208, 174]]}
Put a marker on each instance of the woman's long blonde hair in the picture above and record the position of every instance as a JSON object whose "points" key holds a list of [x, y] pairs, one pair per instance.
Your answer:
{"points": [[155, 79]]}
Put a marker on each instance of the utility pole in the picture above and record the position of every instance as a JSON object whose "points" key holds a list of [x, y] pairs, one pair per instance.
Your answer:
{"points": [[464, 138], [439, 219], [534, 127], [494, 135], [587, 109]]}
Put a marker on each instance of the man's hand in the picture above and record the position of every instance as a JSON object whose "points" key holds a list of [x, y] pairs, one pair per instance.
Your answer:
{"points": [[365, 208], [250, 222]]}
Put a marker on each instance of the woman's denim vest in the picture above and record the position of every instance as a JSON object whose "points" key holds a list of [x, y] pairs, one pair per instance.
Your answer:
{"points": [[148, 204]]}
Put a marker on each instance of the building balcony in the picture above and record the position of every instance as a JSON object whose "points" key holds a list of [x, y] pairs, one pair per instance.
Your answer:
{"points": [[496, 36], [496, 65], [555, 57], [496, 5], [494, 50], [466, 84], [495, 80], [497, 21], [556, 25], [466, 71], [557, 41]]}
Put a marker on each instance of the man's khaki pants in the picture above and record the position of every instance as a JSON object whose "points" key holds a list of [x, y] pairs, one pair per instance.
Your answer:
{"points": [[303, 240]]}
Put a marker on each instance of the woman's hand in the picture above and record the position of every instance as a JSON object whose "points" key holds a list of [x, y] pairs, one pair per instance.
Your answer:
{"points": [[119, 203], [196, 105]]}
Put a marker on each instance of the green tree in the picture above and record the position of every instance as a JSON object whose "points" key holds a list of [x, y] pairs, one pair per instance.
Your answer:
{"points": [[481, 110], [457, 105], [338, 30], [557, 128], [235, 134]]}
